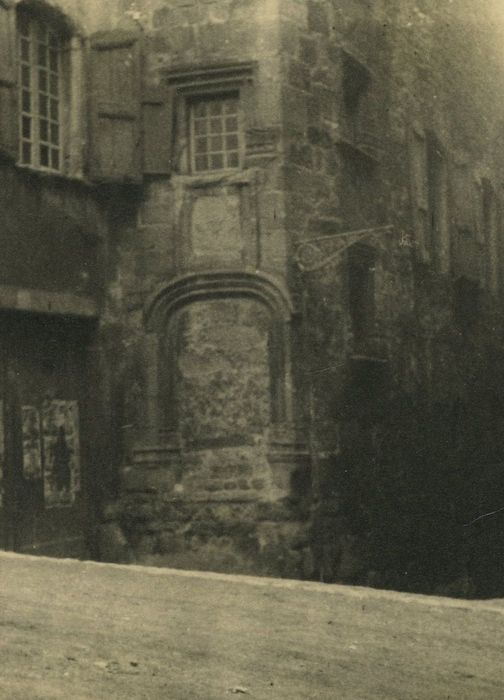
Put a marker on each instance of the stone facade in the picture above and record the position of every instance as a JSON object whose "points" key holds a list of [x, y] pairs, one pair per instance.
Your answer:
{"points": [[298, 355]]}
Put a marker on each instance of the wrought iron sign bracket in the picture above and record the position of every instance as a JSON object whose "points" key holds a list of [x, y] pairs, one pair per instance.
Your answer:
{"points": [[322, 251]]}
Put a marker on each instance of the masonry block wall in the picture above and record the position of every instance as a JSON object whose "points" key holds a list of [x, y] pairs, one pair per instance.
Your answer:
{"points": [[341, 290], [200, 316], [395, 126], [283, 221]]}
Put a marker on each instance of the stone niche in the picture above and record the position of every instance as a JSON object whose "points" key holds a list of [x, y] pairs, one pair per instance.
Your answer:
{"points": [[226, 488]]}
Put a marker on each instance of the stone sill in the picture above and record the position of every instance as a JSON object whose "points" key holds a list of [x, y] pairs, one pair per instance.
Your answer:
{"points": [[222, 177], [238, 496], [53, 175]]}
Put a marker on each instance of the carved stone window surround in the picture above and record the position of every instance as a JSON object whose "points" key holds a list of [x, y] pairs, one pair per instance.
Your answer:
{"points": [[207, 81]]}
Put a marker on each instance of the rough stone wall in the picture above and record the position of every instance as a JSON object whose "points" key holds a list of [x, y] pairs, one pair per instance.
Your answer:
{"points": [[220, 497], [403, 430], [405, 425]]}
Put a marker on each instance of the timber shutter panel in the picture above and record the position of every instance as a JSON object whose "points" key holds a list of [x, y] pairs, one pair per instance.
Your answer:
{"points": [[157, 116], [8, 83], [115, 149]]}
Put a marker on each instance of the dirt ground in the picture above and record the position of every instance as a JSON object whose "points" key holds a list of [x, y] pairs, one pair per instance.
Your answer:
{"points": [[85, 631]]}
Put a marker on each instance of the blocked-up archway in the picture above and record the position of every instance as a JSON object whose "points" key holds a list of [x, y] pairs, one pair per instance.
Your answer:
{"points": [[220, 342]]}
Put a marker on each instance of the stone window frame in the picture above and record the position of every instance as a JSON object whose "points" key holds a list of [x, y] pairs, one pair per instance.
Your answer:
{"points": [[71, 98], [206, 119], [210, 82], [40, 53]]}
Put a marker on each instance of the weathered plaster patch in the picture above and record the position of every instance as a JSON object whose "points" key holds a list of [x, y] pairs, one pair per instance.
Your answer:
{"points": [[215, 228]]}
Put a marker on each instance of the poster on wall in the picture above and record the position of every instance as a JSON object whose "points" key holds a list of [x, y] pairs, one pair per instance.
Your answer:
{"points": [[60, 425], [32, 443]]}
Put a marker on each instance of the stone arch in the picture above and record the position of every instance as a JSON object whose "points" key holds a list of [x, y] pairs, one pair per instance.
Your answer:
{"points": [[207, 285], [50, 12], [165, 303]]}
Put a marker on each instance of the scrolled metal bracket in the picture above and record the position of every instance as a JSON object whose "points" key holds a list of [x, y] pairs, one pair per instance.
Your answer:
{"points": [[314, 254]]}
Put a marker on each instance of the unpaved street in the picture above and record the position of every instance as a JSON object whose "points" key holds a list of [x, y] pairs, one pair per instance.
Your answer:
{"points": [[85, 631]]}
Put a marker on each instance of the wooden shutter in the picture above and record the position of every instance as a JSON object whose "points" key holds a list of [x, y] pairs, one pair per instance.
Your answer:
{"points": [[157, 117], [115, 152], [8, 87]]}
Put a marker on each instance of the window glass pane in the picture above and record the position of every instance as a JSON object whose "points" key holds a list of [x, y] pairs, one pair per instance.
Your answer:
{"points": [[201, 163], [42, 80], [23, 24], [232, 160], [55, 159], [201, 145], [216, 126], [54, 84], [217, 161], [41, 32], [25, 76], [25, 50], [216, 143], [44, 130], [232, 142], [53, 61], [54, 110], [55, 134], [26, 123], [215, 108], [200, 126], [231, 106], [26, 101], [26, 153], [42, 55], [231, 124], [200, 109], [44, 156], [43, 105]]}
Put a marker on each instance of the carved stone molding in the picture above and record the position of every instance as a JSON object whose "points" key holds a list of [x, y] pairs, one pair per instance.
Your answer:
{"points": [[212, 77], [225, 284], [155, 467], [290, 462], [216, 285]]}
